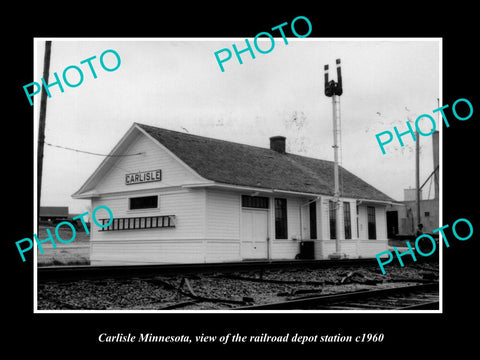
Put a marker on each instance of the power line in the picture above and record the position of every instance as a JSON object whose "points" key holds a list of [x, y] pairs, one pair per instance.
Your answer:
{"points": [[91, 153]]}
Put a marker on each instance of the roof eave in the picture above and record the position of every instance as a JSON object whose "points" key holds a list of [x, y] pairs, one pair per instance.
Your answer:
{"points": [[83, 192], [218, 185], [386, 202], [86, 195]]}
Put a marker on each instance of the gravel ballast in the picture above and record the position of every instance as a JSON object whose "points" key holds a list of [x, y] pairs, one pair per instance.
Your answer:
{"points": [[235, 289]]}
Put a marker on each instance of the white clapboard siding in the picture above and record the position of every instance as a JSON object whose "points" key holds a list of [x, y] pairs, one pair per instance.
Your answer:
{"points": [[154, 157], [362, 222], [325, 219], [349, 248], [223, 215], [370, 248], [293, 217], [146, 252], [222, 250], [222, 226], [187, 206], [381, 217], [323, 248], [284, 249]]}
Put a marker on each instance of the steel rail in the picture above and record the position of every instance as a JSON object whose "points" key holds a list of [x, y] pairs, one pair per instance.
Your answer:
{"points": [[68, 273], [328, 300], [430, 305]]}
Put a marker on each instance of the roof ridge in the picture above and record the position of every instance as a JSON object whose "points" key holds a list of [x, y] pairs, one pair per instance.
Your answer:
{"points": [[203, 137]]}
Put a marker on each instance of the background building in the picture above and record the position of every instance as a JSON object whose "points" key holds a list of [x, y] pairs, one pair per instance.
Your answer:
{"points": [[402, 218], [53, 214]]}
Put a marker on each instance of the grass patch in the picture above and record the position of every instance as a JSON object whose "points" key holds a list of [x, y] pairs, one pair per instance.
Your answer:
{"points": [[64, 232]]}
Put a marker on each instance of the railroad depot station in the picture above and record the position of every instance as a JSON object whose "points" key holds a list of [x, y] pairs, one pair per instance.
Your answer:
{"points": [[182, 198]]}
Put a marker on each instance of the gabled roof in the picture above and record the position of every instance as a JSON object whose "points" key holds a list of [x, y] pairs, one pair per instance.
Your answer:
{"points": [[244, 165]]}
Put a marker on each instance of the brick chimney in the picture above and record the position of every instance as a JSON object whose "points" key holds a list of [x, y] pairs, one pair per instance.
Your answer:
{"points": [[277, 143]]}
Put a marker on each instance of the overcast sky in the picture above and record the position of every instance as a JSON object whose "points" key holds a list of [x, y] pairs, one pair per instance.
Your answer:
{"points": [[177, 84]]}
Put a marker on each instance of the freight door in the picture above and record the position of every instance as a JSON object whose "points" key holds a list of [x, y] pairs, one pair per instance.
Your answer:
{"points": [[254, 234]]}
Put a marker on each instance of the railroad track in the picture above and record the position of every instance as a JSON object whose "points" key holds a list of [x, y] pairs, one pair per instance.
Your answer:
{"points": [[82, 272], [232, 286], [415, 297]]}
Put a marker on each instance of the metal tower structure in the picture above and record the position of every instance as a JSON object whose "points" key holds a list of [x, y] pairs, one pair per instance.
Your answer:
{"points": [[335, 90]]}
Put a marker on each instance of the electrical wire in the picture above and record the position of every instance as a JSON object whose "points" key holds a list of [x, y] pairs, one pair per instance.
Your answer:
{"points": [[91, 153], [115, 166], [430, 187]]}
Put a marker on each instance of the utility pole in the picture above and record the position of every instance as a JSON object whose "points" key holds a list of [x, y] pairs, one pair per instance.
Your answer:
{"points": [[417, 176], [41, 125], [334, 90], [436, 154]]}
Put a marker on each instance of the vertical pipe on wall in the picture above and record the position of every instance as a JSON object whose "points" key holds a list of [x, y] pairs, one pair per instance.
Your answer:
{"points": [[417, 177]]}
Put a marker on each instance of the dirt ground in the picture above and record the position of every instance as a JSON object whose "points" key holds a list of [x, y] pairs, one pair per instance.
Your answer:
{"points": [[76, 252]]}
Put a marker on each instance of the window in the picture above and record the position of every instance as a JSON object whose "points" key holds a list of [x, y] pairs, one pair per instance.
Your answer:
{"points": [[258, 202], [313, 220], [145, 202], [372, 226], [347, 222], [281, 219], [333, 219], [427, 213]]}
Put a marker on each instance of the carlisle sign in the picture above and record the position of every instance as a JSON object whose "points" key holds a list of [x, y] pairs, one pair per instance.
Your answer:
{"points": [[143, 177]]}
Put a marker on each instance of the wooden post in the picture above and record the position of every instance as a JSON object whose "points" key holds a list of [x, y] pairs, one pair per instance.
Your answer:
{"points": [[417, 177], [41, 125]]}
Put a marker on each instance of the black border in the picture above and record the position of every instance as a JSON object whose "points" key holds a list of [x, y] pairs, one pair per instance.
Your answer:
{"points": [[410, 335]]}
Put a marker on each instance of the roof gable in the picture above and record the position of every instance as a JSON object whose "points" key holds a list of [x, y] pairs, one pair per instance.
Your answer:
{"points": [[131, 158]]}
